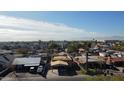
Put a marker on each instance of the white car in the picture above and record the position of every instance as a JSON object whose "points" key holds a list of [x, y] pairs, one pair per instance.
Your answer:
{"points": [[32, 70], [39, 69]]}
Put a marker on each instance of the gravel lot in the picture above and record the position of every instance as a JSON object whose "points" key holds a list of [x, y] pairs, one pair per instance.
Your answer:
{"points": [[51, 76]]}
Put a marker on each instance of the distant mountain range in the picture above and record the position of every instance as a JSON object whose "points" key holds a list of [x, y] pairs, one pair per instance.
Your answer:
{"points": [[104, 38], [111, 38]]}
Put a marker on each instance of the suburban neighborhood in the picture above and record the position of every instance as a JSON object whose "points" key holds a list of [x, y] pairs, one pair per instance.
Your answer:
{"points": [[61, 46], [62, 60]]}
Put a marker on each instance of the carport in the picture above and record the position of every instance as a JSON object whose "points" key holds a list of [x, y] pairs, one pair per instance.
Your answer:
{"points": [[24, 64]]}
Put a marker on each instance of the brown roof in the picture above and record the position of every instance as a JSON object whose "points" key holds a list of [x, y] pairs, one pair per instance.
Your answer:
{"points": [[58, 63], [117, 59]]}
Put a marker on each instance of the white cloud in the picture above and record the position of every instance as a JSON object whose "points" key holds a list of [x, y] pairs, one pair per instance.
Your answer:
{"points": [[12, 28]]}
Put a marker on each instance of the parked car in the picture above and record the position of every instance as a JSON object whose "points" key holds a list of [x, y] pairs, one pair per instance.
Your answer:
{"points": [[40, 69], [33, 70]]}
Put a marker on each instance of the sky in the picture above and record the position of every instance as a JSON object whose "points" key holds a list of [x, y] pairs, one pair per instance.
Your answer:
{"points": [[74, 25]]}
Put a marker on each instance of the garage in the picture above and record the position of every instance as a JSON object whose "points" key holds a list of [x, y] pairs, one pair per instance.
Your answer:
{"points": [[26, 64]]}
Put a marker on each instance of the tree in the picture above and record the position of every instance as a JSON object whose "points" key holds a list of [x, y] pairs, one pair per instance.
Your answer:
{"points": [[73, 47], [22, 51], [119, 47], [87, 45], [52, 47], [6, 47]]}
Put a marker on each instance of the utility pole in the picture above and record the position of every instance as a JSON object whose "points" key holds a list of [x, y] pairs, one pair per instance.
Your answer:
{"points": [[87, 61]]}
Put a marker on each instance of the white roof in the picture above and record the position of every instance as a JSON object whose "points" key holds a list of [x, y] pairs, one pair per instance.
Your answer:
{"points": [[5, 51], [27, 61], [91, 59]]}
